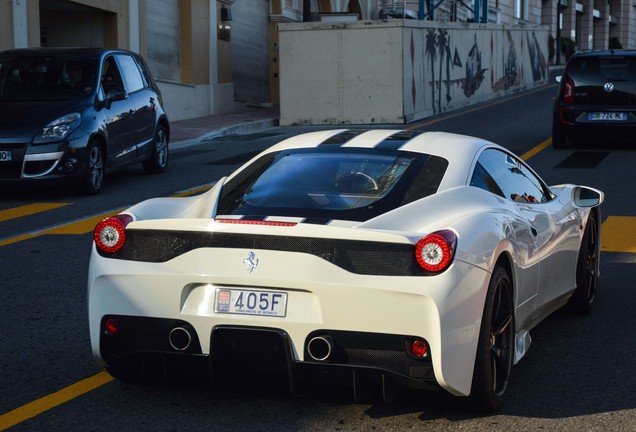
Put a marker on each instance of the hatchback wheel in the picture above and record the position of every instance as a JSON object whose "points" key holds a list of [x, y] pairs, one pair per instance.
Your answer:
{"points": [[93, 179], [158, 160], [559, 139]]}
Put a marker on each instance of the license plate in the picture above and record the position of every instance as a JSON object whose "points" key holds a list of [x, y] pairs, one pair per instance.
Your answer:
{"points": [[611, 116], [5, 155], [251, 302]]}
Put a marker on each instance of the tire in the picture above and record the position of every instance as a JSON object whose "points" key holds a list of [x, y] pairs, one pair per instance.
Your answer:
{"points": [[586, 269], [158, 160], [495, 348], [559, 139], [93, 178]]}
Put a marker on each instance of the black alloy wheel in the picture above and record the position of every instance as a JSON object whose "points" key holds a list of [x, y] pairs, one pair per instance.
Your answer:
{"points": [[495, 349], [586, 269]]}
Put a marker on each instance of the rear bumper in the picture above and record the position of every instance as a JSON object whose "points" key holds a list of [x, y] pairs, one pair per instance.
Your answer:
{"points": [[576, 122], [142, 350], [443, 310]]}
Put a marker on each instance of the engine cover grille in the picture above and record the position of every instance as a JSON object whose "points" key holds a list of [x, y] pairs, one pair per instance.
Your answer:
{"points": [[356, 256]]}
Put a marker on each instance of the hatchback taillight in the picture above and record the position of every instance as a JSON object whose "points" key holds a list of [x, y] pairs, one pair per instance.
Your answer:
{"points": [[110, 234], [568, 91], [435, 252]]}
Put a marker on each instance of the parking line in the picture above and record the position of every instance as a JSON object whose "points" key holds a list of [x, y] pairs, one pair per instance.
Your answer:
{"points": [[451, 114], [28, 209], [82, 226], [618, 234], [53, 400], [533, 151]]}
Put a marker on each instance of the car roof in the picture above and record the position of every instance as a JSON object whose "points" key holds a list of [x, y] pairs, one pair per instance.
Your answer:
{"points": [[64, 51], [600, 53], [460, 150]]}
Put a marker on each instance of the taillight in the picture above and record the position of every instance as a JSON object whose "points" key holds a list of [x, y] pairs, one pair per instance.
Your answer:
{"points": [[435, 252], [419, 348], [568, 91], [110, 234]]}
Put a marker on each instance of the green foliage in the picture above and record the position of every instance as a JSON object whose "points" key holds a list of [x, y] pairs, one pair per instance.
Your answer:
{"points": [[567, 47], [614, 43], [551, 49]]}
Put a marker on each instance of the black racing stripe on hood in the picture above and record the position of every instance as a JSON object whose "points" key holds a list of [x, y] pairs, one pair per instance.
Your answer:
{"points": [[342, 138], [317, 221], [397, 140]]}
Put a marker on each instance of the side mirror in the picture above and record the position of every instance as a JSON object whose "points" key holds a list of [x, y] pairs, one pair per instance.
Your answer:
{"points": [[116, 94], [583, 196]]}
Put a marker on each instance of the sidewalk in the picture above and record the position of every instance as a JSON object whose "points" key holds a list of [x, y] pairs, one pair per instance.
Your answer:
{"points": [[184, 133]]}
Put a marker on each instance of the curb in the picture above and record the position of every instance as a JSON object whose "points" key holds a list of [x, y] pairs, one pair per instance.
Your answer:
{"points": [[238, 129]]}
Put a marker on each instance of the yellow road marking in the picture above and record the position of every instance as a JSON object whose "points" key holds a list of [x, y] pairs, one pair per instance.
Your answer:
{"points": [[53, 400], [618, 234], [533, 151], [479, 108], [193, 191], [80, 227], [28, 209]]}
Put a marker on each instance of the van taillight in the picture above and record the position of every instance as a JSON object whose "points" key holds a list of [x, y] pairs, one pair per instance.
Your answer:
{"points": [[568, 91]]}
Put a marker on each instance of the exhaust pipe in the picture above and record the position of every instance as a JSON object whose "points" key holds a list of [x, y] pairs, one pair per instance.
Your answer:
{"points": [[320, 348], [180, 338]]}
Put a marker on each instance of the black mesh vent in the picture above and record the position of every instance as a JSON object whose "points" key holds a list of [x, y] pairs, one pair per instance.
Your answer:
{"points": [[38, 167], [361, 257], [395, 361]]}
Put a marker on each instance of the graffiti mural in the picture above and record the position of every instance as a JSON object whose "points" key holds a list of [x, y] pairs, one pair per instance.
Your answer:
{"points": [[474, 71], [400, 71], [450, 83], [538, 63]]}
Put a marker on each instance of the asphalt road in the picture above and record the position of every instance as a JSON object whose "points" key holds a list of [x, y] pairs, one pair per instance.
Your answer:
{"points": [[577, 376]]}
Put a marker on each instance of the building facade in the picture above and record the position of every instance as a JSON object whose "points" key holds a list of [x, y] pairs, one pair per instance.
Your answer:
{"points": [[215, 56]]}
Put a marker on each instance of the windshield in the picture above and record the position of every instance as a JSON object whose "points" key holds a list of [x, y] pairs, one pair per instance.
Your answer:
{"points": [[354, 184], [46, 78]]}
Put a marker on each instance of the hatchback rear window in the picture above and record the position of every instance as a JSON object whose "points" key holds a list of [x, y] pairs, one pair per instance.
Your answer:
{"points": [[599, 70], [355, 184]]}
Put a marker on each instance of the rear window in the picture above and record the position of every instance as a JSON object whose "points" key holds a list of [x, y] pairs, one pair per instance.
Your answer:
{"points": [[351, 184], [599, 70]]}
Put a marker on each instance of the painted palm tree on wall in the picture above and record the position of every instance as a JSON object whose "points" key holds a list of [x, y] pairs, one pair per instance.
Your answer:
{"points": [[431, 52], [443, 46]]}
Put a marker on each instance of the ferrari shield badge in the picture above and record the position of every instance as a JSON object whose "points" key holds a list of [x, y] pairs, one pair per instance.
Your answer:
{"points": [[250, 262]]}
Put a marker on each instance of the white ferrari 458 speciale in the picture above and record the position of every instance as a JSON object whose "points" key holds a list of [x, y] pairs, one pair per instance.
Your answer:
{"points": [[378, 257]]}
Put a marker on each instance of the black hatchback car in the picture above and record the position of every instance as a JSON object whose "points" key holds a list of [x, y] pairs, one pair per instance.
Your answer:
{"points": [[76, 114], [596, 98]]}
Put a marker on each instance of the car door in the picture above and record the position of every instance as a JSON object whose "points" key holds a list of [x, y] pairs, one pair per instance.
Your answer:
{"points": [[554, 241], [144, 102], [117, 108]]}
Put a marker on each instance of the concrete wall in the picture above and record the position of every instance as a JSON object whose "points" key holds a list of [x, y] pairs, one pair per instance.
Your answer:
{"points": [[400, 71], [250, 58]]}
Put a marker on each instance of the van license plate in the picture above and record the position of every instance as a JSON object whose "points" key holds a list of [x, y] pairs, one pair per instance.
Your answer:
{"points": [[611, 116]]}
